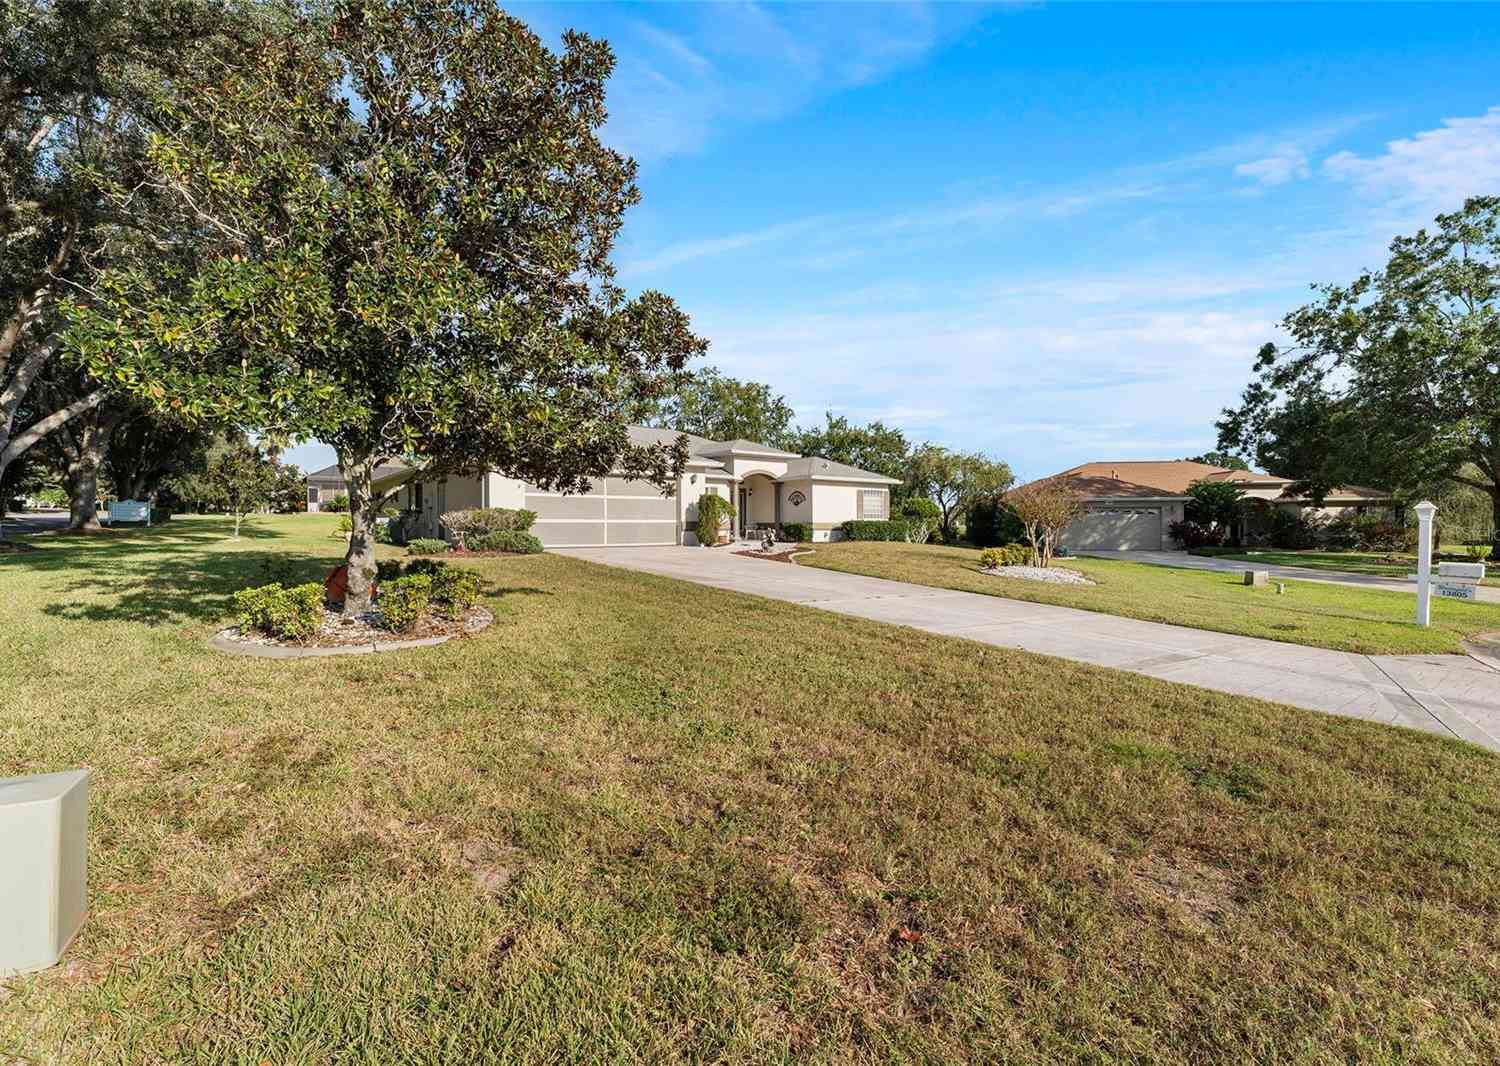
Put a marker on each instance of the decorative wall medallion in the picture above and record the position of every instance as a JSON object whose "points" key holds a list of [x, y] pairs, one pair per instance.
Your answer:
{"points": [[797, 499]]}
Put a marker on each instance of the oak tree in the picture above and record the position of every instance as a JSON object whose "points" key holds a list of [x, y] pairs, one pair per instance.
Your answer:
{"points": [[403, 223], [1394, 379]]}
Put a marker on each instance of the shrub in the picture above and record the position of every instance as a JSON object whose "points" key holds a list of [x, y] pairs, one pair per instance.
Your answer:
{"points": [[286, 613], [714, 513], [403, 601], [890, 529], [1196, 535], [1008, 555], [1292, 530], [800, 532], [508, 540], [340, 502], [922, 516], [478, 521], [426, 546], [423, 566], [454, 590], [989, 523], [387, 570], [160, 515]]}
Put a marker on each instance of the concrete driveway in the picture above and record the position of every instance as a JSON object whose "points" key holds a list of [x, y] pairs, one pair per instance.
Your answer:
{"points": [[1451, 695], [1291, 573]]}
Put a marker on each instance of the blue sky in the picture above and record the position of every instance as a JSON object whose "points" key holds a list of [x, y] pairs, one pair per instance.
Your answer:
{"points": [[1052, 233]]}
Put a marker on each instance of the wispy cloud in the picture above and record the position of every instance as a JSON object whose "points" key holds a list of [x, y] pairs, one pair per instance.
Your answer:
{"points": [[1278, 168], [688, 72], [1434, 170]]}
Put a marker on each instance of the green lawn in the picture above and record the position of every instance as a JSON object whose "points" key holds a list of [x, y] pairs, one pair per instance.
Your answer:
{"points": [[1323, 615], [644, 821], [1380, 564]]}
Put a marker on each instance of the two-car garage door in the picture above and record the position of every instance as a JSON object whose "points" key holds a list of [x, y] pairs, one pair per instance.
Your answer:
{"points": [[1115, 529], [616, 511]]}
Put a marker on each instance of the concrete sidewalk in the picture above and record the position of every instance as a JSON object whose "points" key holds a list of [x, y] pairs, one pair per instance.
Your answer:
{"points": [[1184, 561], [1451, 695]]}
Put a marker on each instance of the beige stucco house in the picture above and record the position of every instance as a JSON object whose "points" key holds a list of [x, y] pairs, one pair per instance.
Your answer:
{"points": [[1132, 504], [768, 487]]}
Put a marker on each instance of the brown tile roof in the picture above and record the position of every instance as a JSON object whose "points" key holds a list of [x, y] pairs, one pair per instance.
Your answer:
{"points": [[1166, 477], [1171, 477]]}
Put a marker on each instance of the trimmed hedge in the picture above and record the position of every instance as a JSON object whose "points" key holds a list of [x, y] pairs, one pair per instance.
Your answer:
{"points": [[286, 613], [890, 529], [402, 602], [476, 522], [426, 546], [801, 532], [507, 540], [1007, 555]]}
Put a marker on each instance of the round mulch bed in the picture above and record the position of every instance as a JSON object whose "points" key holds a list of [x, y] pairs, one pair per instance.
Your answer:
{"points": [[358, 636]]}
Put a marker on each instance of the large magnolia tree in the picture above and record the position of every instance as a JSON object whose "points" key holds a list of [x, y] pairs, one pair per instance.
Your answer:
{"points": [[402, 221], [1393, 379], [77, 78]]}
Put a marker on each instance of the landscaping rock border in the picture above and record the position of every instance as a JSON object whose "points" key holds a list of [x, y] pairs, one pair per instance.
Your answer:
{"points": [[1052, 575], [230, 642]]}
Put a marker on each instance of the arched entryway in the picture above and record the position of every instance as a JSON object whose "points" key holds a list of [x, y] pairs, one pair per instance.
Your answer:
{"points": [[757, 506]]}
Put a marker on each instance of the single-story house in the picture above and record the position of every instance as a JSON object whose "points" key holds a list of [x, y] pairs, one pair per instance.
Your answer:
{"points": [[769, 488], [1132, 504], [323, 485]]}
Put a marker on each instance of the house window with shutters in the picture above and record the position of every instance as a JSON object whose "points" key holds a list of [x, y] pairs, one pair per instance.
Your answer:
{"points": [[872, 504]]}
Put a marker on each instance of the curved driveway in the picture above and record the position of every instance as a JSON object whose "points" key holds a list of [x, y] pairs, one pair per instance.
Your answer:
{"points": [[1451, 695]]}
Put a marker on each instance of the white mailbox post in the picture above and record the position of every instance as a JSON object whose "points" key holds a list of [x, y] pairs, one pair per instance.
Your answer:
{"points": [[44, 827], [1425, 510]]}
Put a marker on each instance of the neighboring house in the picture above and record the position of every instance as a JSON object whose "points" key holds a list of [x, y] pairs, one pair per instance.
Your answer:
{"points": [[1132, 504], [323, 485], [768, 487]]}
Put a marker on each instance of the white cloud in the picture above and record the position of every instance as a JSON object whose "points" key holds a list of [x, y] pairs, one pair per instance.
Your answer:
{"points": [[1280, 167], [1435, 170], [720, 65]]}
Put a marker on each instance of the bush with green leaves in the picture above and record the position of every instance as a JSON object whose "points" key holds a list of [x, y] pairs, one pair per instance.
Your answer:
{"points": [[454, 590], [403, 602], [715, 513], [286, 613], [387, 570], [1007, 555], [889, 529], [989, 523], [1292, 530], [339, 502], [475, 522], [923, 517], [514, 541], [800, 532], [426, 546]]}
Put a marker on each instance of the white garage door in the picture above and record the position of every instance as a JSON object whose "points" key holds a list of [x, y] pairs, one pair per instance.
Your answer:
{"points": [[1115, 529], [616, 511]]}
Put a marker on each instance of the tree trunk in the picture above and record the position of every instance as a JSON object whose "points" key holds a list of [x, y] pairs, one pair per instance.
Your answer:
{"points": [[82, 475], [82, 481], [1495, 524], [364, 512]]}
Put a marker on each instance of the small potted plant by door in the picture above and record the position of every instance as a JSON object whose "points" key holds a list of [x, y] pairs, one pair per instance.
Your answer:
{"points": [[715, 514]]}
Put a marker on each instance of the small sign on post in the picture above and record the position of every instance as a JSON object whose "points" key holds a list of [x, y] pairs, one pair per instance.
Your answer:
{"points": [[1425, 510], [1458, 581]]}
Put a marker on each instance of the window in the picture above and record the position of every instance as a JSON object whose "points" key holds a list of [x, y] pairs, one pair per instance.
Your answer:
{"points": [[417, 497], [872, 504]]}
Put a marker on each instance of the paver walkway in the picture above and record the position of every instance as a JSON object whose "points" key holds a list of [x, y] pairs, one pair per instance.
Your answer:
{"points": [[1290, 573], [1452, 695]]}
